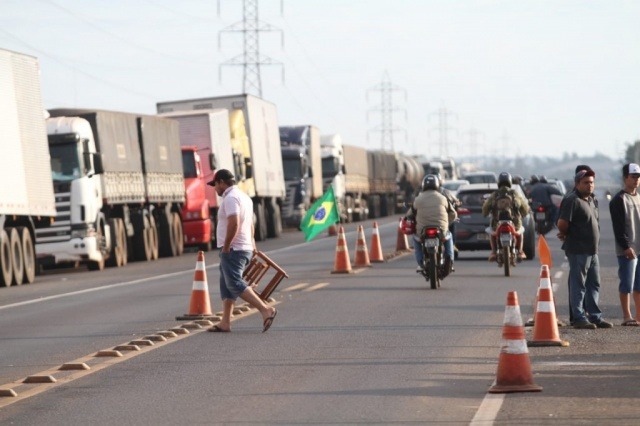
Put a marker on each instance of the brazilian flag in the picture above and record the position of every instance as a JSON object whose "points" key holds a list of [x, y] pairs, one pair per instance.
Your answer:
{"points": [[322, 214]]}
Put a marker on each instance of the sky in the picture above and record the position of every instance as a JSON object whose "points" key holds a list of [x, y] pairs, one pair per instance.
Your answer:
{"points": [[508, 78]]}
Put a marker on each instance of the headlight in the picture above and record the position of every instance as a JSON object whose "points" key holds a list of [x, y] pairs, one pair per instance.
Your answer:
{"points": [[83, 233]]}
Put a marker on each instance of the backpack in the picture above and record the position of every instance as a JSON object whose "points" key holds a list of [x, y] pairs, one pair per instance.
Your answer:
{"points": [[504, 205]]}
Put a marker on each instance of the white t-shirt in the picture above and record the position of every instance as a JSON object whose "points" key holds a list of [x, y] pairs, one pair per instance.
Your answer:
{"points": [[236, 203]]}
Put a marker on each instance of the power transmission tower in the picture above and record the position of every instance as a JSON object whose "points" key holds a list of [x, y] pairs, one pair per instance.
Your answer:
{"points": [[443, 130], [250, 60], [386, 109], [474, 135]]}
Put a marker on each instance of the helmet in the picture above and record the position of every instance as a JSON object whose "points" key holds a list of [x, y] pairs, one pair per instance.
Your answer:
{"points": [[517, 179], [504, 179], [430, 182], [533, 179], [543, 179]]}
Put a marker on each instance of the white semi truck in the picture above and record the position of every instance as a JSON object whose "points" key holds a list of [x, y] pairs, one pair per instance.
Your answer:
{"points": [[26, 194], [119, 188], [262, 175]]}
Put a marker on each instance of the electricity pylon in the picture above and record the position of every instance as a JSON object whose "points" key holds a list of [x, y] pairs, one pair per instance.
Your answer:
{"points": [[386, 109]]}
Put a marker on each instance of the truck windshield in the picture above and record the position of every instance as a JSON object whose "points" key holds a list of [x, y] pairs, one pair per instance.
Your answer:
{"points": [[330, 167], [65, 162], [292, 168], [189, 164]]}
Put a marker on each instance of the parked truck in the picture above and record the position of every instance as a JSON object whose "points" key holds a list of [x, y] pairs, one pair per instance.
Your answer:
{"points": [[205, 138], [410, 174], [383, 172], [302, 164], [119, 188], [262, 172], [26, 195]]}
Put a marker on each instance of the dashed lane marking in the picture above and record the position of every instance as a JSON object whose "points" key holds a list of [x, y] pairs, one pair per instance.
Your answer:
{"points": [[316, 287], [295, 287]]}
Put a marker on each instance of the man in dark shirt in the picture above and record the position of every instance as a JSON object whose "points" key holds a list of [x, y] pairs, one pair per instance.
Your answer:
{"points": [[580, 232]]}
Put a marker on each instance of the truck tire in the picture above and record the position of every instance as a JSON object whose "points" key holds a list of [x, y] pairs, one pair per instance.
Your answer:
{"points": [[349, 206], [153, 238], [167, 243], [17, 257], [5, 259], [29, 255], [259, 221], [374, 207], [274, 221], [119, 250], [178, 234], [142, 237]]}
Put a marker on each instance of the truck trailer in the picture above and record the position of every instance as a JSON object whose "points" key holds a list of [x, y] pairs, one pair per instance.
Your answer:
{"points": [[119, 188], [262, 176], [27, 201]]}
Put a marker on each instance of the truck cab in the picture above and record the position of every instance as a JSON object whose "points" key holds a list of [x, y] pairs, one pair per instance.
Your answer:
{"points": [[76, 168]]}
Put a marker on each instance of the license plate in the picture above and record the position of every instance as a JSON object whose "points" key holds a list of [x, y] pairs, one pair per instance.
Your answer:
{"points": [[540, 216], [505, 238], [431, 242], [483, 237]]}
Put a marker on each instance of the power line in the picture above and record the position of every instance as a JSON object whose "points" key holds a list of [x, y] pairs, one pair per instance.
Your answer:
{"points": [[386, 110]]}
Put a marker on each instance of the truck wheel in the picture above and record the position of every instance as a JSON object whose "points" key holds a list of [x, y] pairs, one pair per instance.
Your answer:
{"points": [[124, 245], [153, 238], [167, 245], [29, 255], [178, 234], [274, 222], [118, 255], [5, 259], [260, 222], [349, 206], [17, 257], [142, 237]]}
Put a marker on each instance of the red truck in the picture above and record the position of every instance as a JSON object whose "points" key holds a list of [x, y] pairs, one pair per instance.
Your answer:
{"points": [[206, 146]]}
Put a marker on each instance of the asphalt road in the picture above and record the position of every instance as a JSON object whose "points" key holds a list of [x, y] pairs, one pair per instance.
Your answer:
{"points": [[377, 346]]}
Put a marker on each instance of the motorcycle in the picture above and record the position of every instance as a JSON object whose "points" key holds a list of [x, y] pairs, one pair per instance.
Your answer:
{"points": [[506, 249], [435, 265], [542, 217]]}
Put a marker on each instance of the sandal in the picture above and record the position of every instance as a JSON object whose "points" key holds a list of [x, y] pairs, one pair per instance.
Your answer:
{"points": [[630, 323]]}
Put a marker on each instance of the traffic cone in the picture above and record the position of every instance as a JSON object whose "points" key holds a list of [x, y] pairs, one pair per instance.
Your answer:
{"points": [[545, 330], [514, 367], [332, 230], [376, 248], [200, 306], [362, 254], [342, 264], [544, 253], [402, 244]]}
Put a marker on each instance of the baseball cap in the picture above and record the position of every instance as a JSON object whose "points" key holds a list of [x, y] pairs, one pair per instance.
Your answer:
{"points": [[630, 169], [584, 173], [221, 174]]}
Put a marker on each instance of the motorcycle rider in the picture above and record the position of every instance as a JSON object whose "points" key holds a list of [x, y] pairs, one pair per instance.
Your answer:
{"points": [[506, 202], [541, 193], [431, 208]]}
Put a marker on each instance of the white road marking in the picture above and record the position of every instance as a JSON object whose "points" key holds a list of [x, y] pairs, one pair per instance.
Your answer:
{"points": [[488, 410], [296, 287], [316, 287]]}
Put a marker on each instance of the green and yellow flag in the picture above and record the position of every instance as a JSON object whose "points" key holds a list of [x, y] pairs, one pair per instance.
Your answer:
{"points": [[322, 214]]}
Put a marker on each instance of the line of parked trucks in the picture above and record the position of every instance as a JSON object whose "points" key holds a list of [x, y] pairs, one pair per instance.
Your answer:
{"points": [[94, 187]]}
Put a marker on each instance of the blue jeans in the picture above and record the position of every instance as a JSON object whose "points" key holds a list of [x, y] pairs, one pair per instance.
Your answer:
{"points": [[232, 266], [629, 275], [584, 286], [417, 249]]}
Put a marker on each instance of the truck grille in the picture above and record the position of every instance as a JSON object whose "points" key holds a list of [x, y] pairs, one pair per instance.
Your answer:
{"points": [[60, 230], [289, 199]]}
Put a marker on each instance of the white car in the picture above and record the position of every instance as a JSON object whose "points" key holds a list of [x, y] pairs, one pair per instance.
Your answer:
{"points": [[454, 185]]}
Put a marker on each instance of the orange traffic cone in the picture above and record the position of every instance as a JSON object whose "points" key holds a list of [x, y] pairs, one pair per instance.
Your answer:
{"points": [[200, 306], [543, 252], [376, 247], [545, 330], [342, 264], [332, 230], [514, 367], [402, 244], [362, 254]]}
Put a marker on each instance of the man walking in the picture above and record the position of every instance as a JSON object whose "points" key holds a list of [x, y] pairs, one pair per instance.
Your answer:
{"points": [[625, 217], [234, 236], [579, 230]]}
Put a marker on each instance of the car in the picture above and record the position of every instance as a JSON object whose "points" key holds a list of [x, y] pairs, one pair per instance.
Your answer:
{"points": [[454, 185], [470, 230], [481, 177]]}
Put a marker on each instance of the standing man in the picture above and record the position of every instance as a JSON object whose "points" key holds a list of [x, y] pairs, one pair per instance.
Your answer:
{"points": [[625, 216], [579, 230], [234, 236]]}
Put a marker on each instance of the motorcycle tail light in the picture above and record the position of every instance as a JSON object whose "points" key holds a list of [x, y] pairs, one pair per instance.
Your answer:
{"points": [[541, 209], [431, 232], [463, 211]]}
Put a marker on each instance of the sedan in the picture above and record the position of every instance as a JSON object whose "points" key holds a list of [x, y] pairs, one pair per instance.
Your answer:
{"points": [[471, 230]]}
